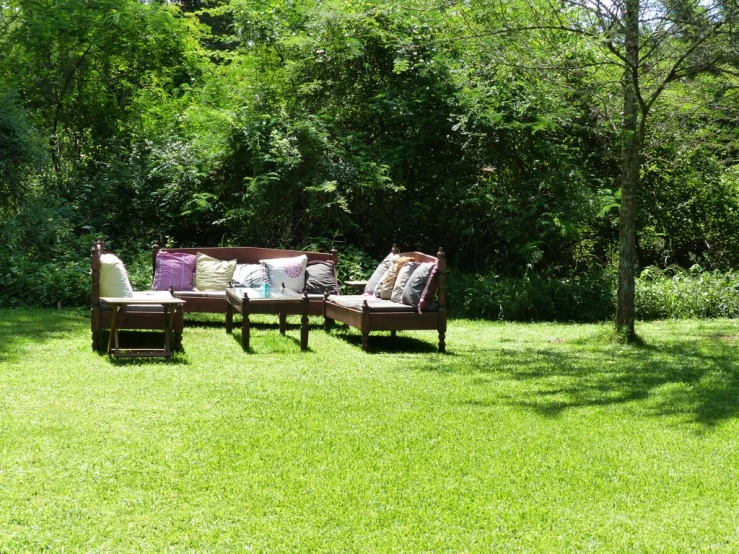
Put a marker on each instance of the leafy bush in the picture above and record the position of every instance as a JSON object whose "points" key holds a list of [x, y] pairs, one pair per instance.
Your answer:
{"points": [[530, 298], [678, 293]]}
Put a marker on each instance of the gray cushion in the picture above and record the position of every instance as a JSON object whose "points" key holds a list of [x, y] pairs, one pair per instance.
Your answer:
{"points": [[378, 274], [320, 277], [152, 308], [356, 302], [249, 275], [416, 284], [403, 276]]}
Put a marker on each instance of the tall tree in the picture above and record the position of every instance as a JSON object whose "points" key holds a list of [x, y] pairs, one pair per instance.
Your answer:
{"points": [[652, 45]]}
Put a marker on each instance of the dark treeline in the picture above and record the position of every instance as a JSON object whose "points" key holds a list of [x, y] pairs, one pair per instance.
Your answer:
{"points": [[352, 124]]}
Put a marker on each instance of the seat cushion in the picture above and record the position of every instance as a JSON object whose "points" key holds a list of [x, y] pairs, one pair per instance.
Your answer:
{"points": [[200, 294], [356, 302]]}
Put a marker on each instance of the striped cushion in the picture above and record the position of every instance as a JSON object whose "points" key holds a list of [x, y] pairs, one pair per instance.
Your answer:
{"points": [[174, 269]]}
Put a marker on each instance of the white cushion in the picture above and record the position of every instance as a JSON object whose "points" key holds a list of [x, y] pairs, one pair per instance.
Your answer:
{"points": [[290, 271], [114, 277]]}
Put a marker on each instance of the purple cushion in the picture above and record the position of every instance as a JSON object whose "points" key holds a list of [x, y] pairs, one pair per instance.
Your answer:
{"points": [[175, 269]]}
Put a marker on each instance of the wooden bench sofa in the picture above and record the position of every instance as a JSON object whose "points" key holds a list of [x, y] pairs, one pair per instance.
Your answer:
{"points": [[140, 317], [368, 313], [215, 301]]}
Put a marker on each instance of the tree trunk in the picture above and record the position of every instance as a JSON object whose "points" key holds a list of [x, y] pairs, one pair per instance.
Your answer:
{"points": [[630, 160]]}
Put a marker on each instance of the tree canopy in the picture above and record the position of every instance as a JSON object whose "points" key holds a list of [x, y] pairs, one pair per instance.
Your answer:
{"points": [[515, 135]]}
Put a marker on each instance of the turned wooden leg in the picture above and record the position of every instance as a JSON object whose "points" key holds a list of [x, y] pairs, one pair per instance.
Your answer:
{"points": [[365, 341], [304, 332], [283, 323], [245, 331], [442, 330], [229, 317]]}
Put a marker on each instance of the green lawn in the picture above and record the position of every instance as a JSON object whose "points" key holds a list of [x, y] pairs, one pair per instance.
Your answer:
{"points": [[523, 438]]}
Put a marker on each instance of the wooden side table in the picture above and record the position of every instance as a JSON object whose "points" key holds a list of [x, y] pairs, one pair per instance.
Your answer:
{"points": [[282, 302], [358, 286], [169, 306]]}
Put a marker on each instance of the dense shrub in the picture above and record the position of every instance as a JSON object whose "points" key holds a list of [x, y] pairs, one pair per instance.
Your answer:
{"points": [[530, 298], [678, 293]]}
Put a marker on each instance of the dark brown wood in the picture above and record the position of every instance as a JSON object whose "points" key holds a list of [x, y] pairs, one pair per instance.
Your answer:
{"points": [[367, 320], [131, 318], [170, 307], [296, 305], [243, 255]]}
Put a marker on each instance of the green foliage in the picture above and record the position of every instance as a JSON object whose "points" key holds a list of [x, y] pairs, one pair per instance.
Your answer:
{"points": [[530, 297], [677, 294], [22, 153], [359, 123]]}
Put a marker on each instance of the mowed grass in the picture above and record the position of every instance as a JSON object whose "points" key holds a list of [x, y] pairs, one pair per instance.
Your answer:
{"points": [[523, 438]]}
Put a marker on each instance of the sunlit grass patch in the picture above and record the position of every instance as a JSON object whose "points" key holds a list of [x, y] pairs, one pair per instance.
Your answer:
{"points": [[524, 437]]}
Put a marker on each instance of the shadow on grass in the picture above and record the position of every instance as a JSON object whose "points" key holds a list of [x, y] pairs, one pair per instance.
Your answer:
{"points": [[275, 341], [385, 343], [695, 379], [37, 326], [149, 339]]}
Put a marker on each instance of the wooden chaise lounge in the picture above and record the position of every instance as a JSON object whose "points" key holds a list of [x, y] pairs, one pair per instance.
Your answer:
{"points": [[368, 313]]}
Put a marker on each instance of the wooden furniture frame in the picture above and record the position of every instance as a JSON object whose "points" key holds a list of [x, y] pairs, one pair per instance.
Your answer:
{"points": [[133, 317], [247, 301], [170, 307], [368, 319], [243, 255]]}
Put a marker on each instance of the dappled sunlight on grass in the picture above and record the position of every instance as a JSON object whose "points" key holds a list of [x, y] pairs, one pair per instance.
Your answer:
{"points": [[540, 437], [578, 366]]}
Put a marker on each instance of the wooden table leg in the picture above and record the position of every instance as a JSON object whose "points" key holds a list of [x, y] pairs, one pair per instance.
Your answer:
{"points": [[229, 317], [113, 338], [304, 332], [168, 328], [245, 331], [304, 324], [283, 323]]}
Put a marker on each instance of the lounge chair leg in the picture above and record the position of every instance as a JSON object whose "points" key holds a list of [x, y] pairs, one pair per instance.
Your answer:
{"points": [[96, 341], [365, 341], [327, 323], [442, 342], [393, 333]]}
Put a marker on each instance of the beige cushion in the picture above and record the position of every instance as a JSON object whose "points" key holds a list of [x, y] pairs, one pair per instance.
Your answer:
{"points": [[114, 277], [403, 275], [212, 273], [385, 288]]}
